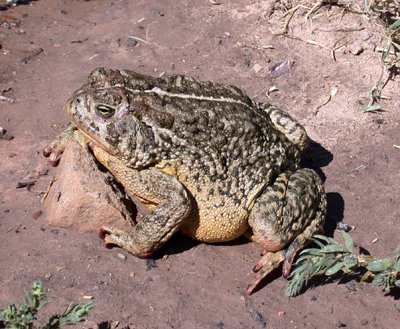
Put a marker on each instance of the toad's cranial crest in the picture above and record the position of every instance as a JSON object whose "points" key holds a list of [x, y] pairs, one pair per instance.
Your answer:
{"points": [[206, 159]]}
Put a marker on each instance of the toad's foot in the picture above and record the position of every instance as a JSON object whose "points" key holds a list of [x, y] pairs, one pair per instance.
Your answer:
{"points": [[268, 262], [54, 150], [114, 237], [272, 260]]}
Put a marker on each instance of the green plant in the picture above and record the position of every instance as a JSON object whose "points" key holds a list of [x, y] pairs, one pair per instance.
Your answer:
{"points": [[369, 103], [24, 316], [391, 54], [330, 257]]}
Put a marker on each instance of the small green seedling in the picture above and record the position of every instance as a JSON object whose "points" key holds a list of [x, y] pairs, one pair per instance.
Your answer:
{"points": [[330, 257], [24, 316]]}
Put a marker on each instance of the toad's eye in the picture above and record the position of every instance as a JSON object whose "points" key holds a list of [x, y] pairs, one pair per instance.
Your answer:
{"points": [[104, 111]]}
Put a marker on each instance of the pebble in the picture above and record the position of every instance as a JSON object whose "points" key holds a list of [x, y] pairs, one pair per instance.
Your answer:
{"points": [[356, 49], [4, 135], [87, 297], [364, 322], [130, 42], [121, 256], [37, 214], [54, 231], [351, 287], [257, 317], [150, 263], [340, 324], [257, 68]]}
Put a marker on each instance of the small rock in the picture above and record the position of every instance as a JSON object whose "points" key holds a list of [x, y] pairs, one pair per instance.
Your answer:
{"points": [[82, 197], [87, 297], [257, 68], [5, 135], [341, 226], [364, 322], [340, 324], [356, 49], [258, 317], [281, 313], [150, 263], [314, 298], [351, 287], [37, 214], [279, 68], [9, 22], [121, 256], [130, 42], [47, 276], [26, 183], [55, 231]]}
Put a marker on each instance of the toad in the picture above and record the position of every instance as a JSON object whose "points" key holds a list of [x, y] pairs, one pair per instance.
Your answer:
{"points": [[204, 158]]}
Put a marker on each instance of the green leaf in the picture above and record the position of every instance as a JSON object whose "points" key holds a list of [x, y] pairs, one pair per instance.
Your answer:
{"points": [[319, 243], [371, 108], [332, 248], [380, 265], [395, 25], [306, 259], [325, 238], [348, 241], [397, 266], [334, 269], [311, 251], [350, 261]]}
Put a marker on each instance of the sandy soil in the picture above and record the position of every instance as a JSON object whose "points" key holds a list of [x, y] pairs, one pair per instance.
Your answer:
{"points": [[197, 285]]}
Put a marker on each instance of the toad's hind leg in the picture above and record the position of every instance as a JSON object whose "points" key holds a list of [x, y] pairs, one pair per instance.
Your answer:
{"points": [[282, 121], [284, 218]]}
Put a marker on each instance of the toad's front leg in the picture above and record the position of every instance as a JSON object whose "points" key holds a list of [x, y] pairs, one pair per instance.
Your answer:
{"points": [[165, 197], [57, 146]]}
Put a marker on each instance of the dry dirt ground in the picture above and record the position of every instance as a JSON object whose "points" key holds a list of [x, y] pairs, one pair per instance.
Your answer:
{"points": [[198, 285]]}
